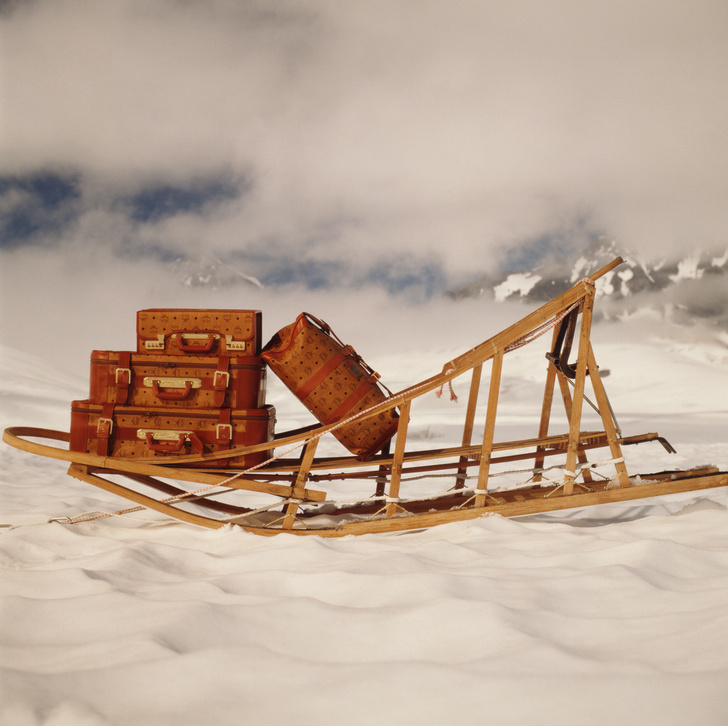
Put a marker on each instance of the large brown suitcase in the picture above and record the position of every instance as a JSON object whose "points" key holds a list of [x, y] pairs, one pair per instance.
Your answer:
{"points": [[130, 431], [332, 381], [184, 381], [199, 332]]}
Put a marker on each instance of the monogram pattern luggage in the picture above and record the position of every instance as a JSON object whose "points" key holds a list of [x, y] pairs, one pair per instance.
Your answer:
{"points": [[332, 381], [184, 381], [130, 431], [199, 332]]}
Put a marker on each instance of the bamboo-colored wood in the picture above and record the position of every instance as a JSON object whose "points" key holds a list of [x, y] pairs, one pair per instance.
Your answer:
{"points": [[607, 419], [546, 406], [392, 507], [469, 422], [299, 487], [79, 471], [569, 407], [488, 434], [578, 400], [531, 501], [297, 507]]}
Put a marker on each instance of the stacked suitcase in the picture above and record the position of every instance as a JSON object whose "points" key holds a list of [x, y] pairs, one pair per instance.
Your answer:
{"points": [[196, 384]]}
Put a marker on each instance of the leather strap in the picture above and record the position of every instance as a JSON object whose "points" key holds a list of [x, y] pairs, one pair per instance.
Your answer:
{"points": [[322, 373], [122, 378], [224, 429], [350, 401], [104, 429], [220, 381]]}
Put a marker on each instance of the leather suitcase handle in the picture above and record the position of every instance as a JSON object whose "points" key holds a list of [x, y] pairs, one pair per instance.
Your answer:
{"points": [[172, 394], [207, 340], [170, 445], [165, 445]]}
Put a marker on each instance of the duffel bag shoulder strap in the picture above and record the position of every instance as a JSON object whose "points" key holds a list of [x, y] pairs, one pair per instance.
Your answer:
{"points": [[367, 368]]}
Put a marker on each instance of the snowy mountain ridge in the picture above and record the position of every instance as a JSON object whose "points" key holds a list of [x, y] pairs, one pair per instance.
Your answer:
{"points": [[695, 286], [210, 271]]}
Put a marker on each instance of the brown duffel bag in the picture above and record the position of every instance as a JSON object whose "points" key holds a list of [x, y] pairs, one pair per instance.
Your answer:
{"points": [[131, 431], [186, 381], [332, 381]]}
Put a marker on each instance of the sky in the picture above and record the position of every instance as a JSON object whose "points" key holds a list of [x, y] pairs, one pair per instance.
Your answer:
{"points": [[392, 142]]}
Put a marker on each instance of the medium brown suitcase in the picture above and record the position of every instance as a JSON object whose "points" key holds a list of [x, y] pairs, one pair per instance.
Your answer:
{"points": [[199, 332], [332, 381], [130, 431], [184, 381]]}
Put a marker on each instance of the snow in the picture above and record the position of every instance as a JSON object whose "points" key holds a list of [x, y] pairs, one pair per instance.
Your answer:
{"points": [[612, 614], [688, 269], [518, 282]]}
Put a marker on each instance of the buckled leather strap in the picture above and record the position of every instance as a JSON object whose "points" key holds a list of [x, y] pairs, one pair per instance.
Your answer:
{"points": [[224, 429], [122, 378], [104, 429], [324, 372], [221, 380]]}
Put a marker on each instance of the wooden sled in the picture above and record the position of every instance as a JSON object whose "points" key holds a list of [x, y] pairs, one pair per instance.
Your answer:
{"points": [[285, 493]]}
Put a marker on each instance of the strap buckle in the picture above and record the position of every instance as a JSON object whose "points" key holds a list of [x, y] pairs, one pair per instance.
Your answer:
{"points": [[104, 426], [126, 372], [224, 432], [216, 383]]}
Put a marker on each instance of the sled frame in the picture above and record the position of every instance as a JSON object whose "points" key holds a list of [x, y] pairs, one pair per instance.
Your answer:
{"points": [[300, 507]]}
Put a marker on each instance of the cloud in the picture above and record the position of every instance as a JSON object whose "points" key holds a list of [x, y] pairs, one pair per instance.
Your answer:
{"points": [[374, 138]]}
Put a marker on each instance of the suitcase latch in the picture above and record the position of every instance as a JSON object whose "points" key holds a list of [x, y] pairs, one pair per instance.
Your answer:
{"points": [[231, 344], [156, 343]]}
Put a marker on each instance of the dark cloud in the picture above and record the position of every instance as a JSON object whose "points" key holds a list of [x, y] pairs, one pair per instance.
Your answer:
{"points": [[167, 200], [37, 205], [455, 137]]}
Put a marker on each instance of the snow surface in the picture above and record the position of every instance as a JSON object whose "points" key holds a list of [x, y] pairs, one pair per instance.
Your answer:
{"points": [[616, 614]]}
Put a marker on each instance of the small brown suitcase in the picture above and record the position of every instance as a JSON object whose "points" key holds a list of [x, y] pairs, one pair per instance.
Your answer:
{"points": [[199, 332], [184, 381], [332, 381], [129, 431]]}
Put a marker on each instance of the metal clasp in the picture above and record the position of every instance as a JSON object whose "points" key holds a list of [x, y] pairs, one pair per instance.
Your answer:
{"points": [[163, 434], [124, 372], [155, 344], [170, 382], [231, 344], [228, 432], [104, 423], [218, 384]]}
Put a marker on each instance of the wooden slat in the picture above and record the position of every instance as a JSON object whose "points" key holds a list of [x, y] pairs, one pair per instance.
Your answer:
{"points": [[399, 448], [546, 406], [469, 422], [300, 485], [522, 503], [578, 401], [490, 417], [606, 413], [78, 471]]}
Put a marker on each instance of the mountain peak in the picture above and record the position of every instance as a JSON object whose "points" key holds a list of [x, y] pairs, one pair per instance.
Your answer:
{"points": [[692, 285]]}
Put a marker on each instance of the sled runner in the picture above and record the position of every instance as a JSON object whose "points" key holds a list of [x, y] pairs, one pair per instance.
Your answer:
{"points": [[285, 492]]}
